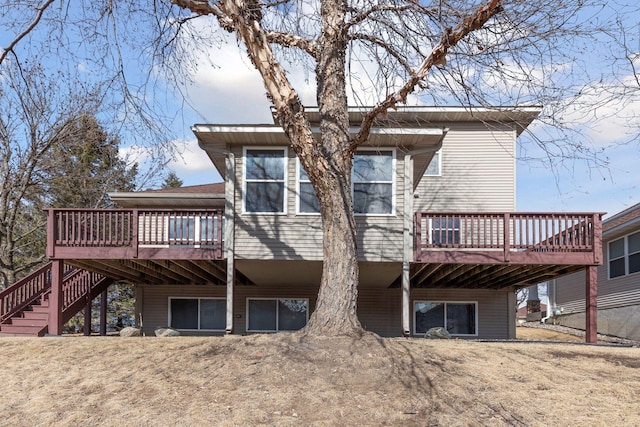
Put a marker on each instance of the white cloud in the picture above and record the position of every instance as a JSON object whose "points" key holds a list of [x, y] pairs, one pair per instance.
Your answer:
{"points": [[192, 164]]}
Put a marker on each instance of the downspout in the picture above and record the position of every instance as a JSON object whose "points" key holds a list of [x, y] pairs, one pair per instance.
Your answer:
{"points": [[551, 301], [229, 226], [407, 231]]}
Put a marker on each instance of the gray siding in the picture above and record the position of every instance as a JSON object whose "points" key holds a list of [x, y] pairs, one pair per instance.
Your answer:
{"points": [[290, 236], [494, 316], [379, 308], [618, 298], [478, 171]]}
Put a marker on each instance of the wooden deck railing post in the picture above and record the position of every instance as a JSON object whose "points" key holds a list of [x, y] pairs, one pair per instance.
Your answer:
{"points": [[591, 309], [134, 233], [56, 298], [418, 237], [506, 242], [596, 237], [51, 238]]}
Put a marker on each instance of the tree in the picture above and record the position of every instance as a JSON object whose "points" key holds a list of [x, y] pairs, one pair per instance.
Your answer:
{"points": [[85, 165], [503, 52], [171, 181], [453, 50], [35, 114]]}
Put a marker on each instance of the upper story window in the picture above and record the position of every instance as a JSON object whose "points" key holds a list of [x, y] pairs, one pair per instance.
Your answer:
{"points": [[265, 180], [307, 200], [624, 255], [373, 184], [434, 168]]}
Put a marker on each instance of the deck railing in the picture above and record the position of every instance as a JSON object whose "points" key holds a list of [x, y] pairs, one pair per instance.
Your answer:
{"points": [[508, 233], [27, 290], [135, 229]]}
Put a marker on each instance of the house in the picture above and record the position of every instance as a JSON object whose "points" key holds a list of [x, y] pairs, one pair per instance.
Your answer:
{"points": [[618, 279], [439, 243]]}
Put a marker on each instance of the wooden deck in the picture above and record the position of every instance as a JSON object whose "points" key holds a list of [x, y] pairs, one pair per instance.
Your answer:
{"points": [[134, 234], [502, 250], [451, 249]]}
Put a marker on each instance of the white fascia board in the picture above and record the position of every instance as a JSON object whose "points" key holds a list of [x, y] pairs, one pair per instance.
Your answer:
{"points": [[433, 131]]}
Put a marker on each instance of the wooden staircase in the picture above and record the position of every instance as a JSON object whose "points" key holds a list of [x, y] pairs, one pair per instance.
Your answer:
{"points": [[24, 306]]}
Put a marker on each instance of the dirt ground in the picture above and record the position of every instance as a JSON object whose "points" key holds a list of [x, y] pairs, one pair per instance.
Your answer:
{"points": [[291, 380]]}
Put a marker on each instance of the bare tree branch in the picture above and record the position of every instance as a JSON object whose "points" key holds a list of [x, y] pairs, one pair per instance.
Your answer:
{"points": [[291, 40], [437, 57], [39, 12]]}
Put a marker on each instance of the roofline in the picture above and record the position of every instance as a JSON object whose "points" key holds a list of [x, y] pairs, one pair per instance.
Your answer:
{"points": [[219, 128], [183, 196]]}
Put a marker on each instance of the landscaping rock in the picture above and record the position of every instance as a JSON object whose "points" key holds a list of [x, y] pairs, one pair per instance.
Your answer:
{"points": [[167, 332], [130, 332], [438, 333]]}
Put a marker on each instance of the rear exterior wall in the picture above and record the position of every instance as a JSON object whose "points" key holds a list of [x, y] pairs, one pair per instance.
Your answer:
{"points": [[379, 309]]}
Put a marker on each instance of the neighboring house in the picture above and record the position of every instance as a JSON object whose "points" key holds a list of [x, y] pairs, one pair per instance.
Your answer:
{"points": [[618, 281], [439, 243], [523, 315]]}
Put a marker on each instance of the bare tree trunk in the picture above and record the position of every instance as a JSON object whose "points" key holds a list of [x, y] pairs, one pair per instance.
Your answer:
{"points": [[336, 308]]}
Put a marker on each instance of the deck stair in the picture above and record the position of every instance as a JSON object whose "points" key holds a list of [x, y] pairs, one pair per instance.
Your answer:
{"points": [[25, 308]]}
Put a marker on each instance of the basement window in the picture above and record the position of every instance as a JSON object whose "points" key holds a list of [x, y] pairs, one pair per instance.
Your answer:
{"points": [[198, 314], [458, 318], [273, 315]]}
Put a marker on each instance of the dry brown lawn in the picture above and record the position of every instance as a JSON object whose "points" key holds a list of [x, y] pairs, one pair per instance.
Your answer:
{"points": [[289, 380]]}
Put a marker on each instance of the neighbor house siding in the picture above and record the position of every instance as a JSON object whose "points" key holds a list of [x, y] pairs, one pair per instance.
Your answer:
{"points": [[290, 236], [478, 171], [617, 292], [618, 298]]}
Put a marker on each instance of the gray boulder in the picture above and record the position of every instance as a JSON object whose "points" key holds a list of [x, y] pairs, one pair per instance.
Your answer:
{"points": [[167, 332], [438, 333], [130, 331]]}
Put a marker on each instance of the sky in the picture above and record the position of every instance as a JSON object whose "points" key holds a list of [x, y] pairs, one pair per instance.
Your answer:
{"points": [[233, 93]]}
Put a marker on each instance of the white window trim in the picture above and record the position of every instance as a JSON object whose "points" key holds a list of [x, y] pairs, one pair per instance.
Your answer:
{"points": [[454, 228], [626, 255], [298, 181], [439, 154], [393, 180], [445, 315], [393, 184], [277, 312], [196, 298], [285, 178], [197, 229]]}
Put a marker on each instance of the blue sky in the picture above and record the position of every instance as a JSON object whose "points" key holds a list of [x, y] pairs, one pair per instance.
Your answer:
{"points": [[233, 93]]}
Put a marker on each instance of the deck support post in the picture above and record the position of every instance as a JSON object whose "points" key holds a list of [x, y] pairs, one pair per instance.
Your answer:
{"points": [[229, 235], [87, 319], [407, 245], [103, 313], [56, 298], [591, 300]]}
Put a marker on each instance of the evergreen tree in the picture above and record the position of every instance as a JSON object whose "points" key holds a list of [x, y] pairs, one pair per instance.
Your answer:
{"points": [[86, 165], [171, 181]]}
